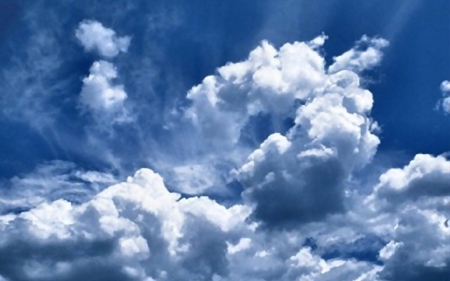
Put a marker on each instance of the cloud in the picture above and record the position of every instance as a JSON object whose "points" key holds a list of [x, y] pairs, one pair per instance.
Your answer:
{"points": [[95, 37], [269, 81], [100, 96], [301, 177], [138, 230], [225, 107], [301, 217], [364, 56], [51, 181], [445, 88], [410, 206], [423, 233], [331, 134], [424, 176], [135, 230]]}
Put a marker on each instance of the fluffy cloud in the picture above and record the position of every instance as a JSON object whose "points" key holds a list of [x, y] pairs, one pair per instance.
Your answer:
{"points": [[445, 88], [131, 231], [138, 230], [301, 216], [421, 250], [95, 37], [269, 81], [271, 84], [99, 95], [300, 177], [424, 176], [290, 174], [225, 108], [410, 206]]}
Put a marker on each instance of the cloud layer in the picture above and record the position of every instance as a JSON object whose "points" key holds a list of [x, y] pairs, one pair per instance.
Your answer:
{"points": [[303, 213]]}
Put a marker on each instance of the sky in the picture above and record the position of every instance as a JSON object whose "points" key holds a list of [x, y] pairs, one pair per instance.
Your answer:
{"points": [[221, 140]]}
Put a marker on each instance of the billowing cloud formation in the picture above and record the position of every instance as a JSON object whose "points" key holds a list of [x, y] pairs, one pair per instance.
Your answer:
{"points": [[131, 231], [95, 37], [137, 230], [415, 199], [300, 177], [289, 175], [269, 81], [445, 88], [302, 215]]}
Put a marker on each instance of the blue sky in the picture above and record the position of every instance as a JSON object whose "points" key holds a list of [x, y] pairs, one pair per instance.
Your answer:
{"points": [[292, 116]]}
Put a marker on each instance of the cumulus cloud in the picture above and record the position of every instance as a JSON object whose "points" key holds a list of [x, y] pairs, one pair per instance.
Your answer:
{"points": [[293, 171], [269, 81], [421, 249], [138, 230], [424, 176], [135, 230], [300, 216], [99, 94], [95, 37], [269, 84], [300, 177], [410, 206], [445, 88]]}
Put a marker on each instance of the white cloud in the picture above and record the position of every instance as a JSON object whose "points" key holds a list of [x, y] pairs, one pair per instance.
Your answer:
{"points": [[446, 105], [424, 176], [410, 209], [99, 94], [297, 186], [300, 177], [269, 81], [94, 36], [132, 231], [319, 41], [445, 88], [364, 56], [421, 250], [138, 230]]}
